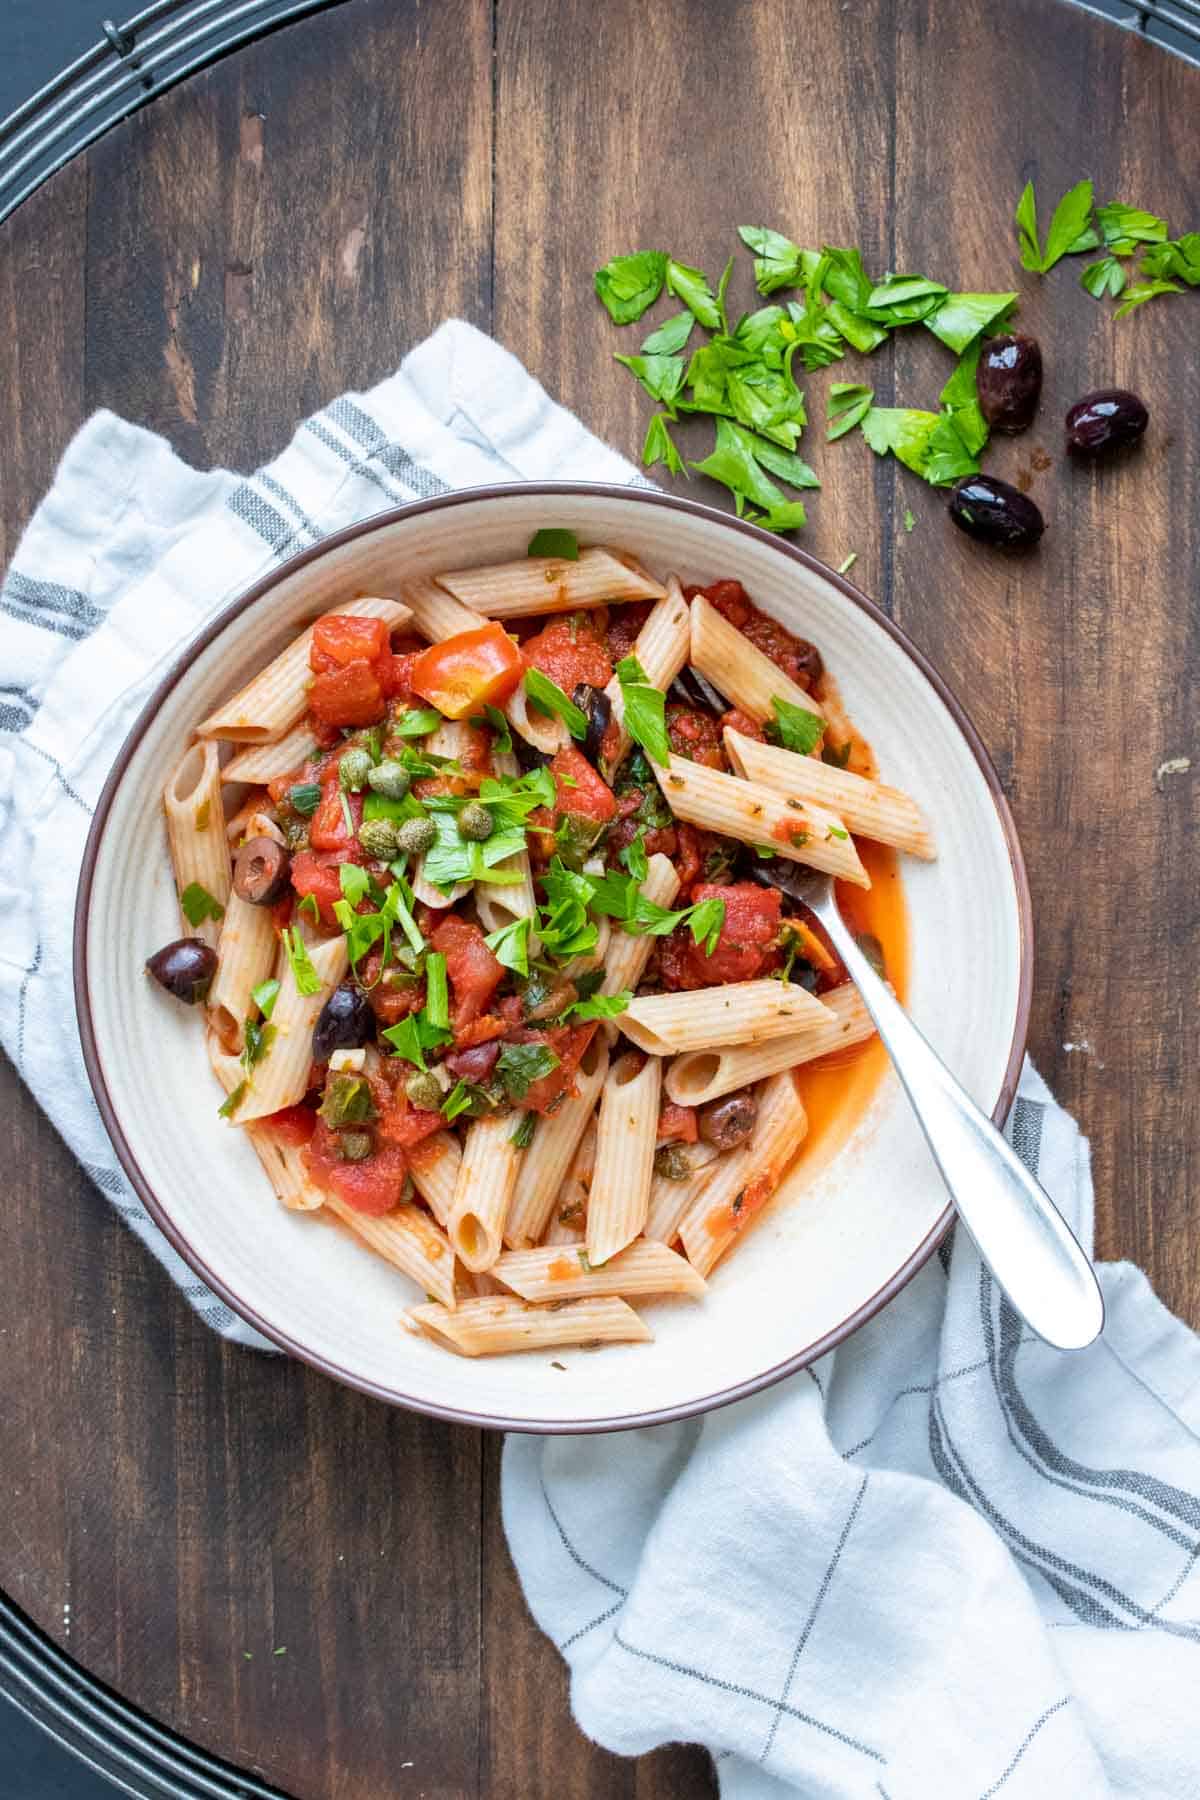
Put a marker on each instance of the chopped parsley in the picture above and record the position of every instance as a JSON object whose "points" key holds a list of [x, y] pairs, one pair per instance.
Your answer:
{"points": [[417, 722], [493, 717], [413, 1036], [795, 727], [198, 904], [645, 710], [556, 542], [510, 945], [519, 1065], [304, 798], [233, 1100], [265, 995], [629, 284], [307, 980], [545, 696], [522, 1134], [437, 991]]}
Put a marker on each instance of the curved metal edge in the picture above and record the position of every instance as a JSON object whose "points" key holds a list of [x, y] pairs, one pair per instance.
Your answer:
{"points": [[503, 491], [115, 1740]]}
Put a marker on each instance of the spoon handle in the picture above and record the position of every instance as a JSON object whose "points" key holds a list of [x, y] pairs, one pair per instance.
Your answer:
{"points": [[1018, 1230]]}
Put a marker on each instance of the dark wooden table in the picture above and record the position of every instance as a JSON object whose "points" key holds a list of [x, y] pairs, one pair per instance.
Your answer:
{"points": [[289, 225]]}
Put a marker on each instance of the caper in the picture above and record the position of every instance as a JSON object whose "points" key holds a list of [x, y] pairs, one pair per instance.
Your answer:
{"points": [[415, 836], [475, 822], [355, 1146], [424, 1092], [347, 1100], [1109, 419], [353, 770], [379, 838], [995, 512], [672, 1163], [389, 778]]}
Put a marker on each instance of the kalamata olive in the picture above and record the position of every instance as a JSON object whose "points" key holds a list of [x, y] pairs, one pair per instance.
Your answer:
{"points": [[596, 707], [727, 1122], [346, 1022], [995, 512], [1009, 382], [808, 662], [260, 871], [474, 1064], [1106, 420], [185, 968], [691, 687]]}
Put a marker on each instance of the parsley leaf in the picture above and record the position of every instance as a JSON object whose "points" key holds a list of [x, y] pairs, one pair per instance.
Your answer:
{"points": [[491, 715], [522, 1135], [691, 286], [1027, 229], [634, 856], [788, 466], [355, 883], [960, 398], [519, 1065], [661, 376], [233, 1100], [629, 284], [645, 710], [601, 1006], [551, 540], [437, 993], [705, 923], [413, 1036], [1124, 227], [777, 261], [198, 904], [259, 1038], [849, 403], [306, 977], [311, 908], [265, 995], [669, 337], [1142, 291], [547, 697], [510, 945], [1070, 229], [961, 317], [734, 464], [1178, 258], [794, 727], [659, 446], [416, 722], [1103, 277], [453, 858]]}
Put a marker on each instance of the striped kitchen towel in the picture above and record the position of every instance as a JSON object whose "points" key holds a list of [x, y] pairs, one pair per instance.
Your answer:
{"points": [[944, 1563]]}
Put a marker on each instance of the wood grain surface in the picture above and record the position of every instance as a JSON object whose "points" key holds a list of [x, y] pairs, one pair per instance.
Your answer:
{"points": [[175, 1512]]}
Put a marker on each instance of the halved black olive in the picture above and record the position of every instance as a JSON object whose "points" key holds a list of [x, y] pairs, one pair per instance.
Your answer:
{"points": [[728, 1122], [260, 871], [596, 706], [185, 968], [346, 1022], [692, 689]]}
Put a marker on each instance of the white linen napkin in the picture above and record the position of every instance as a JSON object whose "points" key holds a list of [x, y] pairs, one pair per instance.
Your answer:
{"points": [[944, 1561]]}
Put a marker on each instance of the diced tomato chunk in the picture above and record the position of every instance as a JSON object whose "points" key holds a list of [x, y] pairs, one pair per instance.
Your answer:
{"points": [[480, 1031], [405, 1125], [316, 872], [292, 1125], [677, 1124], [328, 831], [625, 626], [569, 651], [590, 797], [736, 720], [394, 674], [569, 1043], [341, 638], [349, 695], [463, 673], [371, 1186], [746, 947], [473, 971], [695, 735]]}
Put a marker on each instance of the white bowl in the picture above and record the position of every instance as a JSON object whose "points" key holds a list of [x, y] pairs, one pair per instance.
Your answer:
{"points": [[821, 1260]]}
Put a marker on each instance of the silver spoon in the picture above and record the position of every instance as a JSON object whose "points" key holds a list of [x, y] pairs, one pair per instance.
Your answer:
{"points": [[1017, 1229]]}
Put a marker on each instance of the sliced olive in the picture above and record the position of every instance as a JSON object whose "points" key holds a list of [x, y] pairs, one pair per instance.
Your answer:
{"points": [[691, 687], [260, 871], [596, 707], [995, 512], [728, 1122], [346, 1022], [1109, 419], [185, 968], [1009, 382]]}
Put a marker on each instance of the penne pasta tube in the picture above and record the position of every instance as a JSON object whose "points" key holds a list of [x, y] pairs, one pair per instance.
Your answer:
{"points": [[237, 826], [662, 650], [280, 1077], [757, 815], [267, 762], [740, 1012], [434, 1166], [492, 1326], [568, 1221], [547, 584], [452, 738], [671, 1199], [739, 669], [500, 904], [267, 707], [885, 814], [196, 833], [744, 1180], [546, 1162], [703, 1075], [559, 1272], [545, 733], [245, 956], [626, 1132], [284, 1163], [627, 955], [408, 1239], [436, 614], [486, 1178]]}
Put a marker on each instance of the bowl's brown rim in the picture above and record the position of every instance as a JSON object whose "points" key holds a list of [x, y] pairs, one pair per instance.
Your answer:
{"points": [[524, 490]]}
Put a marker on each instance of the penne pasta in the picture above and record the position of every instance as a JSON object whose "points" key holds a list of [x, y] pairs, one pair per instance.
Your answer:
{"points": [[547, 584], [286, 1170], [545, 733], [559, 1272], [486, 1178], [627, 954], [246, 952], [671, 1199], [626, 1132], [267, 762], [739, 669], [408, 1239], [757, 815], [436, 614], [662, 650], [740, 1012], [744, 1180], [568, 1221], [885, 814], [267, 707], [503, 903], [493, 1326], [280, 1077], [196, 833], [545, 1164], [703, 1075], [237, 824], [434, 1166]]}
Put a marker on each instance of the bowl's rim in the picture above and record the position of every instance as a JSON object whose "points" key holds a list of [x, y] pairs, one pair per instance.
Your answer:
{"points": [[524, 490]]}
